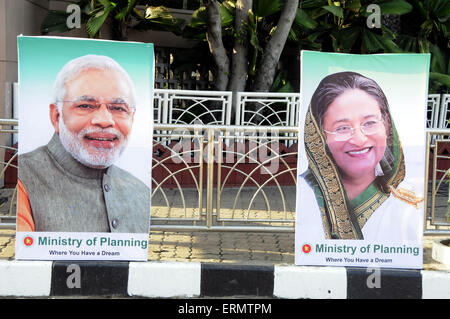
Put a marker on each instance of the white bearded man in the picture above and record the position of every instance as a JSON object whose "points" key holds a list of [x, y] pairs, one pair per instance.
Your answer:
{"points": [[71, 184]]}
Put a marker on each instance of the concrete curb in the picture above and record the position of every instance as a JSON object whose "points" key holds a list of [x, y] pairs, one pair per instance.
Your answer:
{"points": [[440, 251], [179, 279]]}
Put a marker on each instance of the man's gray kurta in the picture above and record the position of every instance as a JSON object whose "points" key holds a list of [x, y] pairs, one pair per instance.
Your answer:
{"points": [[67, 196]]}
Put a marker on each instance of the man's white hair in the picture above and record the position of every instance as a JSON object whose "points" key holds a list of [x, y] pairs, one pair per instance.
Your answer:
{"points": [[74, 67]]}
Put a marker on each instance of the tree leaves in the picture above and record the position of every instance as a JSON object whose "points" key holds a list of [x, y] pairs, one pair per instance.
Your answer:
{"points": [[159, 18], [399, 7], [302, 18], [265, 8], [98, 17], [440, 78], [55, 21], [374, 43], [346, 39], [199, 16], [325, 25], [337, 11], [126, 10]]}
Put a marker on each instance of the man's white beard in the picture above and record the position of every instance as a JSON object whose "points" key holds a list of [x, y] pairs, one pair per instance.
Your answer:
{"points": [[104, 157]]}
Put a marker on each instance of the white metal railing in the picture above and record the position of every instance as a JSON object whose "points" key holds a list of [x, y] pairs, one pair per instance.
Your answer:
{"points": [[438, 112], [252, 205], [255, 108], [192, 107], [261, 108], [433, 104], [444, 111], [204, 117], [251, 108]]}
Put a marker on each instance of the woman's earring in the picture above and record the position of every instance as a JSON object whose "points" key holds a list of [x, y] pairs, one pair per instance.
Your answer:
{"points": [[378, 170]]}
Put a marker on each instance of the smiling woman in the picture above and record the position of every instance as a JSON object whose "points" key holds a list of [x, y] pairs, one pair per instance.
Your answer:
{"points": [[355, 159], [356, 138]]}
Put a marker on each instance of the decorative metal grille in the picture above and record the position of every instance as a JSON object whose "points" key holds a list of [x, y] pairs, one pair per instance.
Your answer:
{"points": [[433, 110], [209, 175]]}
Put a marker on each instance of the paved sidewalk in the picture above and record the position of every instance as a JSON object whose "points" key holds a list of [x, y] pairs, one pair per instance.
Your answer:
{"points": [[222, 247], [247, 248]]}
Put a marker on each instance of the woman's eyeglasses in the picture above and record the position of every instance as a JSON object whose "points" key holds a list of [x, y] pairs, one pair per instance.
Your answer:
{"points": [[345, 132]]}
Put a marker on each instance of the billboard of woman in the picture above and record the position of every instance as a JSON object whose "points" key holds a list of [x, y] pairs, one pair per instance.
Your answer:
{"points": [[360, 192]]}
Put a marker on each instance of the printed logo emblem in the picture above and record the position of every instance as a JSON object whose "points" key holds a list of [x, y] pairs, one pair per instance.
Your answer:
{"points": [[306, 248], [28, 241]]}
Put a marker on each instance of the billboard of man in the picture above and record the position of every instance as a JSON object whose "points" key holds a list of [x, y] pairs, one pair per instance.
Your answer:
{"points": [[85, 149], [71, 184]]}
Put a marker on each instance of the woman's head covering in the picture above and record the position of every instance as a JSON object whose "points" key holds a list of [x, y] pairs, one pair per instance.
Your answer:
{"points": [[339, 219]]}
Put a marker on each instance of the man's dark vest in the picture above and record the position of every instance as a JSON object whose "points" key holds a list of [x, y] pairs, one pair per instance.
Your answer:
{"points": [[67, 196]]}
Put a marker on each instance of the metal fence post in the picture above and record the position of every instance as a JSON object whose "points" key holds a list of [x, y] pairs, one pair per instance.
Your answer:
{"points": [[209, 177]]}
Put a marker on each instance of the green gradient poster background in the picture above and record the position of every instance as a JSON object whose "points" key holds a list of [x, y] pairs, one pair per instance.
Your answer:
{"points": [[396, 237], [40, 60]]}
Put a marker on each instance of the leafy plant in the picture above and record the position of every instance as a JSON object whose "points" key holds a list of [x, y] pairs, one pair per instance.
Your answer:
{"points": [[341, 26], [255, 33], [426, 29], [123, 14], [56, 21], [322, 25]]}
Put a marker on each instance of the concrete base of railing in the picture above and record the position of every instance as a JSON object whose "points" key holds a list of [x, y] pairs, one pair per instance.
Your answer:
{"points": [[441, 251], [179, 279]]}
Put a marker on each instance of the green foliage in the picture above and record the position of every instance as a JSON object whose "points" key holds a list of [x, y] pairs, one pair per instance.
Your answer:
{"points": [[399, 7], [262, 20], [98, 16], [335, 10], [158, 18], [265, 8], [426, 29], [302, 19], [281, 84], [322, 25], [94, 13], [341, 26], [56, 21]]}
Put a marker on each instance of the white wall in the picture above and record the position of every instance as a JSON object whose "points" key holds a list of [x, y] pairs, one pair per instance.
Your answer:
{"points": [[16, 17]]}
